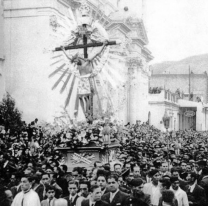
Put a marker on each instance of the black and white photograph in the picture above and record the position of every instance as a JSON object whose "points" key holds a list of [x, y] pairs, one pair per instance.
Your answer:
{"points": [[103, 102]]}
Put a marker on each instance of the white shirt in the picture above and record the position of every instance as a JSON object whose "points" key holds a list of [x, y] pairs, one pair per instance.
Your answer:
{"points": [[102, 192], [181, 196], [112, 195], [51, 202], [92, 203], [155, 194], [71, 198], [153, 191], [192, 186], [29, 199]]}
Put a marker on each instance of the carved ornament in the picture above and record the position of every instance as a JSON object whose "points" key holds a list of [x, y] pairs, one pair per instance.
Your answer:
{"points": [[134, 62]]}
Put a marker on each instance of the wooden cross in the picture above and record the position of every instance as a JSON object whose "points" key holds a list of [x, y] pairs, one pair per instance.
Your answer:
{"points": [[85, 46]]}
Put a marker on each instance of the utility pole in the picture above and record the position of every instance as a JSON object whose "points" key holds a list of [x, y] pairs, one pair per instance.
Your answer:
{"points": [[189, 84]]}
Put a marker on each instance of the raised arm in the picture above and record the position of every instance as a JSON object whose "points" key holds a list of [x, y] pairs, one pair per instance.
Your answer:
{"points": [[63, 49], [93, 57]]}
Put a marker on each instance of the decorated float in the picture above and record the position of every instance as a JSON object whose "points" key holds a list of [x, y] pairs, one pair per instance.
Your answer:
{"points": [[80, 59]]}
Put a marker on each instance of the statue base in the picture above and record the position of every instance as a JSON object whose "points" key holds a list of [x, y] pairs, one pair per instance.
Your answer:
{"points": [[86, 156]]}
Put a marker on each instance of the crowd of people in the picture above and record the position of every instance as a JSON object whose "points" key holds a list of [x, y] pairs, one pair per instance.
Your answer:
{"points": [[152, 168]]}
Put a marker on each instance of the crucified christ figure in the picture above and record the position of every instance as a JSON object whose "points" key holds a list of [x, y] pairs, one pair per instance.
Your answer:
{"points": [[85, 68]]}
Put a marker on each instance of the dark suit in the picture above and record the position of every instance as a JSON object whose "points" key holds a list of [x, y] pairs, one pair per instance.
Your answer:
{"points": [[119, 199], [106, 191], [197, 196], [69, 203], [62, 182], [40, 191], [98, 203], [204, 184], [145, 198], [174, 203], [133, 201], [46, 202]]}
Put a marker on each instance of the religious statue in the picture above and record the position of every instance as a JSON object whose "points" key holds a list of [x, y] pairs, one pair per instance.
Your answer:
{"points": [[81, 76], [85, 68]]}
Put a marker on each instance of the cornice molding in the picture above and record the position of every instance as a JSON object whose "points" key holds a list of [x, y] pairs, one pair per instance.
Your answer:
{"points": [[162, 103]]}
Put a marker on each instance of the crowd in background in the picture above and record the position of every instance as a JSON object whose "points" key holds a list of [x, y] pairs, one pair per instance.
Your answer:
{"points": [[152, 168]]}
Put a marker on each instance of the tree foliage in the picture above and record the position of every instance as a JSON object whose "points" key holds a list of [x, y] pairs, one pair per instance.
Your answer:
{"points": [[10, 116]]}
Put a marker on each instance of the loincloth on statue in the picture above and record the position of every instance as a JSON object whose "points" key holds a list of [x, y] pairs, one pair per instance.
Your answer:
{"points": [[84, 85]]}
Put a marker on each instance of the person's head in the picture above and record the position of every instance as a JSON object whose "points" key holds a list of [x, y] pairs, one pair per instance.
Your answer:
{"points": [[174, 183], [30, 165], [75, 174], [120, 180], [84, 188], [46, 179], [93, 182], [137, 186], [43, 167], [168, 196], [56, 169], [131, 176], [26, 182], [28, 171], [97, 164], [188, 168], [89, 171], [64, 168], [183, 166], [94, 173], [49, 170], [164, 167], [127, 166], [191, 177], [13, 178], [117, 168], [9, 195], [101, 181], [174, 172], [60, 202], [113, 183], [136, 172], [73, 187], [155, 175], [165, 184], [50, 192], [95, 193]]}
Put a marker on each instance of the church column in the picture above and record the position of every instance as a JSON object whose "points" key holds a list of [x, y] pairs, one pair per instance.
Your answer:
{"points": [[134, 65]]}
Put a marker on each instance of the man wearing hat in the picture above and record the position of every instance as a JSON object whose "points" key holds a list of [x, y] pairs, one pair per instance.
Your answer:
{"points": [[153, 188], [137, 195]]}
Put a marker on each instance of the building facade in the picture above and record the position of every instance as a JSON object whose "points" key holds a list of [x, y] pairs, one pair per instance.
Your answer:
{"points": [[25, 61], [2, 88], [198, 84], [183, 114]]}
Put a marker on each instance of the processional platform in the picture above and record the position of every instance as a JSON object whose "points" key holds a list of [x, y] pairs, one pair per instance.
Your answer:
{"points": [[87, 155]]}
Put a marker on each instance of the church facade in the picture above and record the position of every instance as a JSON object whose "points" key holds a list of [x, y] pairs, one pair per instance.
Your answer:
{"points": [[24, 57]]}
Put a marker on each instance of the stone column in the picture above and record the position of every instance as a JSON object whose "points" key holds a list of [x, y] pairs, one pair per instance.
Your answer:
{"points": [[138, 90]]}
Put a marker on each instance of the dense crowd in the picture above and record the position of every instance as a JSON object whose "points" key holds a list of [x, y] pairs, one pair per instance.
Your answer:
{"points": [[151, 167]]}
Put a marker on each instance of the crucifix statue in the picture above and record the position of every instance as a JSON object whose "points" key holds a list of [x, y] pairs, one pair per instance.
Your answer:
{"points": [[84, 64]]}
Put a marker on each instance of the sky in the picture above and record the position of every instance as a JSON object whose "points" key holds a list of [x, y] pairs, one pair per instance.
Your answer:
{"points": [[176, 28]]}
